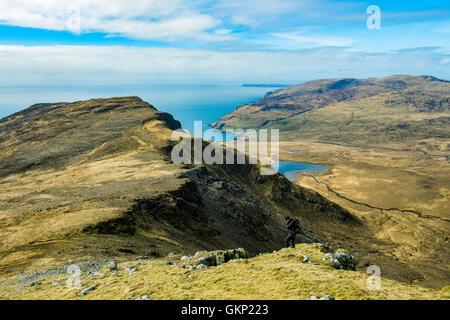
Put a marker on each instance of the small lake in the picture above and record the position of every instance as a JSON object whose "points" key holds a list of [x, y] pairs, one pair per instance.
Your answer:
{"points": [[290, 168]]}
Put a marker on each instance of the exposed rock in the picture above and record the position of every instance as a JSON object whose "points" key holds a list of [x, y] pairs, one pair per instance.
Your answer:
{"points": [[345, 261], [327, 248], [87, 290], [96, 274], [219, 257], [202, 266], [112, 266], [142, 258], [327, 297], [144, 297], [131, 270]]}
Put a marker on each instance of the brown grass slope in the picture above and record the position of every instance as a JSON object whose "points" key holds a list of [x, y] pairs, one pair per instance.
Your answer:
{"points": [[368, 112], [386, 143], [92, 180], [279, 275]]}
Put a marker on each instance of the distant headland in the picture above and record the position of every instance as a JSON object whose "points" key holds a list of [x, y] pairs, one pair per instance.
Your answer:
{"points": [[267, 85]]}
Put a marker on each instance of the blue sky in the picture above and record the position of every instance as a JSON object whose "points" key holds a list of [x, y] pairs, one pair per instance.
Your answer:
{"points": [[122, 41]]}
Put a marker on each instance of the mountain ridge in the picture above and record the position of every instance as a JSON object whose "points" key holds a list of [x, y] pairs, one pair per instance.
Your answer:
{"points": [[341, 110], [94, 179]]}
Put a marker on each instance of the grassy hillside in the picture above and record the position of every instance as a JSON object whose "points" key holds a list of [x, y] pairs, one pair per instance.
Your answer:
{"points": [[280, 275], [398, 110], [386, 143], [94, 179]]}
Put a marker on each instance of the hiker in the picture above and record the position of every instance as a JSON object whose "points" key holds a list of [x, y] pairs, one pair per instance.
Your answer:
{"points": [[293, 226]]}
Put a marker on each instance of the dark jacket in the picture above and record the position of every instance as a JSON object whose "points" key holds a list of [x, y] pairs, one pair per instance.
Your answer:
{"points": [[293, 226]]}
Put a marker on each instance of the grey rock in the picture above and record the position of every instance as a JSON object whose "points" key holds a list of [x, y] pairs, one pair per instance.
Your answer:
{"points": [[55, 283], [112, 266], [142, 258], [87, 290], [336, 263], [96, 274], [327, 248], [80, 285], [131, 270], [198, 254], [216, 258], [327, 297], [346, 261], [144, 297]]}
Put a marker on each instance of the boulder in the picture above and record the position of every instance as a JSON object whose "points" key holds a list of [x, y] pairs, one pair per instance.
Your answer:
{"points": [[345, 261], [87, 290], [112, 266], [216, 258], [327, 297]]}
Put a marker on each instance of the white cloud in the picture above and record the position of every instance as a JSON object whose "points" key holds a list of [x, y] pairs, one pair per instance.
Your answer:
{"points": [[321, 40], [139, 19], [46, 65], [263, 13]]}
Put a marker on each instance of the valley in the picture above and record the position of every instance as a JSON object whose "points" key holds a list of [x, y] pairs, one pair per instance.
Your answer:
{"points": [[386, 145], [93, 181], [400, 195]]}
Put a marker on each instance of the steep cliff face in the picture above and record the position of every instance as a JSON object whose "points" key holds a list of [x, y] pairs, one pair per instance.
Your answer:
{"points": [[93, 180]]}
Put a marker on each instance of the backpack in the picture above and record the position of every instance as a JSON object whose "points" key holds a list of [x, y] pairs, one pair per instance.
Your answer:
{"points": [[297, 225]]}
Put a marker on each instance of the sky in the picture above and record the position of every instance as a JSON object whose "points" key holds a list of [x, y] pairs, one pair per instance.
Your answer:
{"points": [[114, 42]]}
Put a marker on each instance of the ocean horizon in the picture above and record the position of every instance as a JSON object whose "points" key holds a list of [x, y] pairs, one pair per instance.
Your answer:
{"points": [[186, 102]]}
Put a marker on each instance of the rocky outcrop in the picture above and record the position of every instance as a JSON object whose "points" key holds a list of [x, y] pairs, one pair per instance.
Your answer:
{"points": [[205, 259], [216, 258], [327, 297]]}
